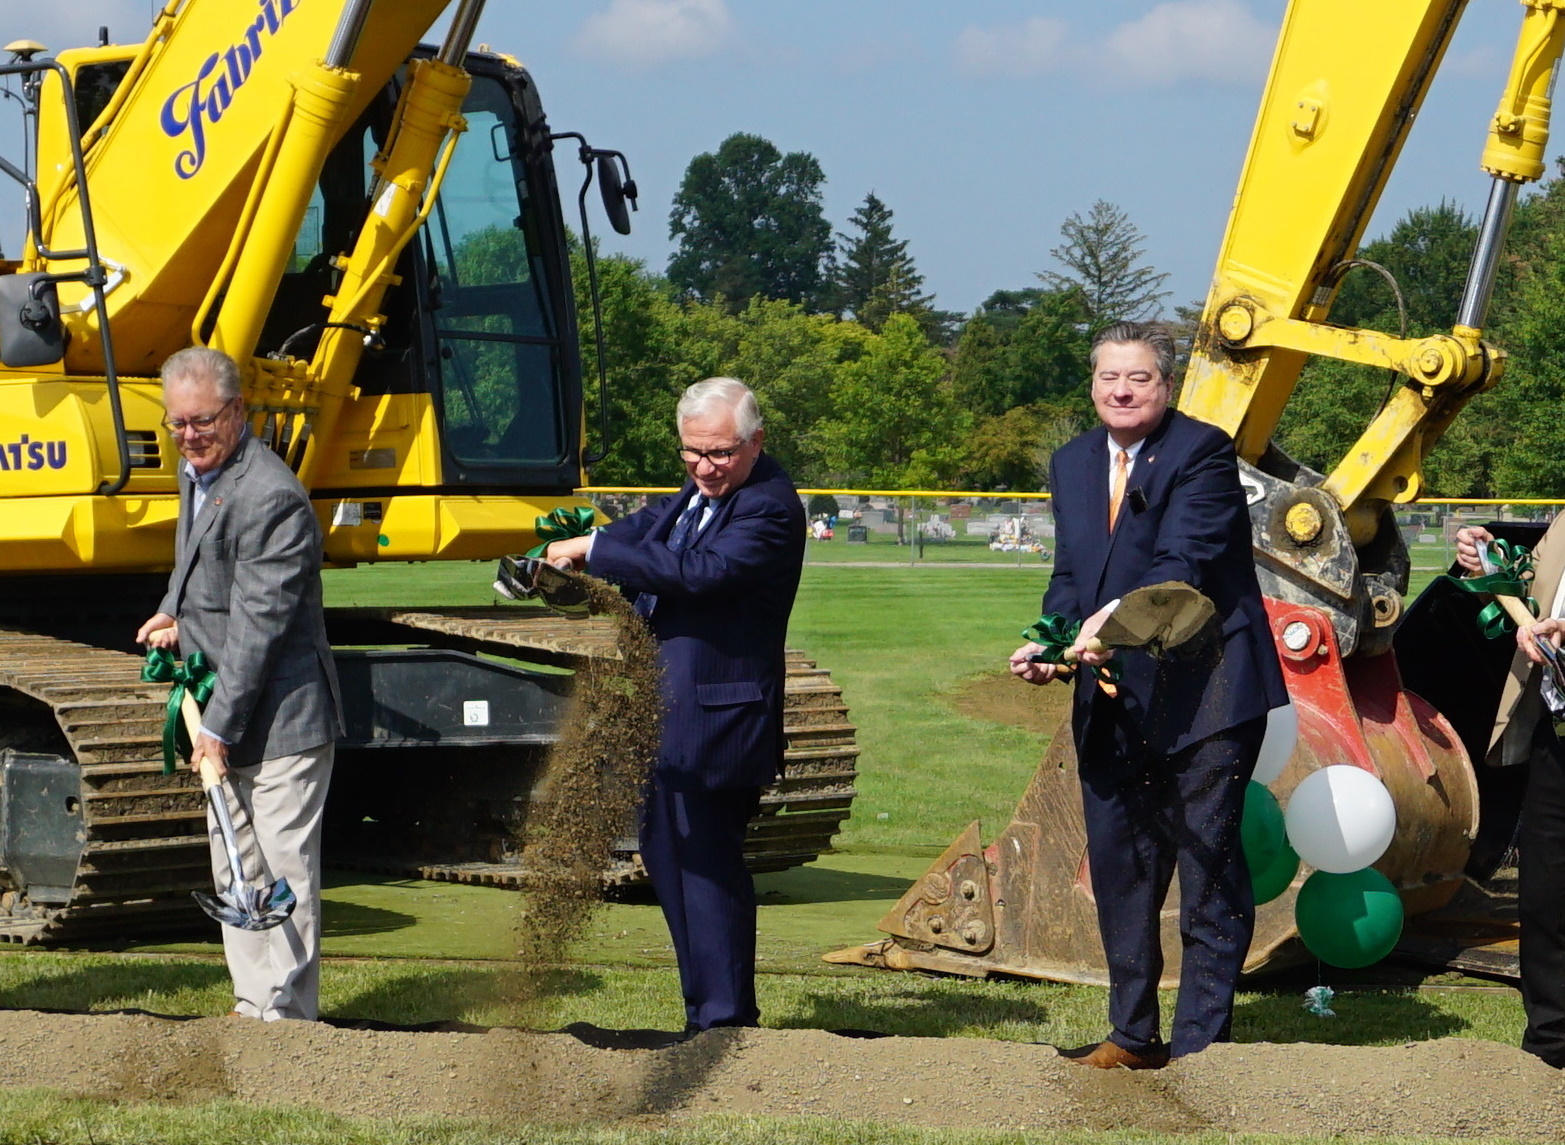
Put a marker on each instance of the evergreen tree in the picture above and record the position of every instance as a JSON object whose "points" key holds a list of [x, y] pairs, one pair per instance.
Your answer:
{"points": [[749, 222], [1103, 255], [873, 276]]}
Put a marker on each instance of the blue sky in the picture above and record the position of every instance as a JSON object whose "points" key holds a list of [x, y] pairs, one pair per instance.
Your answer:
{"points": [[982, 125]]}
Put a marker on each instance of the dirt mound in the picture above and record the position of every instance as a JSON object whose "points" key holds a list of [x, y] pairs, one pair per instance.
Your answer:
{"points": [[1001, 698], [1453, 1087]]}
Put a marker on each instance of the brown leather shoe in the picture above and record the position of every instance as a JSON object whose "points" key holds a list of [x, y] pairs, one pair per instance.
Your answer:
{"points": [[1111, 1055]]}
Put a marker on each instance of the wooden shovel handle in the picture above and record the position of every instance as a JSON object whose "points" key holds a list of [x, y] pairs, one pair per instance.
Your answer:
{"points": [[1093, 645], [192, 717], [1516, 610]]}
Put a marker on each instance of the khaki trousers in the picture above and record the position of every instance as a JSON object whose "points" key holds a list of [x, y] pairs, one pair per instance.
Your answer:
{"points": [[276, 806]]}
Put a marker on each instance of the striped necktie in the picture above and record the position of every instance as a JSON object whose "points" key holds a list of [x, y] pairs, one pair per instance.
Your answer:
{"points": [[679, 536]]}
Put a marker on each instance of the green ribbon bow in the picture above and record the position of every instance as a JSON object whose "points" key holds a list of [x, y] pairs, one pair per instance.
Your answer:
{"points": [[1513, 578], [193, 676], [561, 525], [1055, 634]]}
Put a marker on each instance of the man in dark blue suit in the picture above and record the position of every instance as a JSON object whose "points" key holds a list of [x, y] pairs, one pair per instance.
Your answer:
{"points": [[714, 569], [1165, 753]]}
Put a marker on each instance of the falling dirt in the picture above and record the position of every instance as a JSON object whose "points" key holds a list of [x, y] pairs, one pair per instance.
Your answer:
{"points": [[591, 784], [1453, 1087]]}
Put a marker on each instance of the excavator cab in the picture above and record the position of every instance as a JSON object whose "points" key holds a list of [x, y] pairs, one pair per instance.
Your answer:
{"points": [[480, 325]]}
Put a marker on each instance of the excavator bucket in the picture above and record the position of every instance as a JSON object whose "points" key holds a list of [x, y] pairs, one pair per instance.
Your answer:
{"points": [[1024, 904]]}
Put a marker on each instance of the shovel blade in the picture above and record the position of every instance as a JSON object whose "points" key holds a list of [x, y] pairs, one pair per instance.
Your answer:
{"points": [[220, 910], [250, 908], [1158, 617], [521, 578]]}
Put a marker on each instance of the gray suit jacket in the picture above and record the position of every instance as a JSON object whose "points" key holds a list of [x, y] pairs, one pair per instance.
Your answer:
{"points": [[246, 590]]}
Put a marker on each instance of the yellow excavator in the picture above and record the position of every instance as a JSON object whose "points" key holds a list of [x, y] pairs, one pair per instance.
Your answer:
{"points": [[372, 229], [1373, 684]]}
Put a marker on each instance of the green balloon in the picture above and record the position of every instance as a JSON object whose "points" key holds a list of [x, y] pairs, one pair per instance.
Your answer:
{"points": [[1349, 920], [1261, 830], [1277, 877]]}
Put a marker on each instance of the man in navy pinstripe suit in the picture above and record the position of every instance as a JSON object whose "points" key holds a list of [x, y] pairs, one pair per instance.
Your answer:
{"points": [[1164, 756], [714, 570]]}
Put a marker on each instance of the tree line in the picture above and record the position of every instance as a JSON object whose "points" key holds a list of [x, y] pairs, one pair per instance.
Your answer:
{"points": [[866, 382], [863, 380]]}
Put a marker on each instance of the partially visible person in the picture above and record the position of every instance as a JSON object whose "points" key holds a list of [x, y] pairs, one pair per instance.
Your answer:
{"points": [[714, 569], [246, 592], [1164, 755], [1524, 732]]}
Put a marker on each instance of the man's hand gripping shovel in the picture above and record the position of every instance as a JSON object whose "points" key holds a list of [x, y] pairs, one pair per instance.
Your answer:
{"points": [[522, 578], [1517, 610], [241, 905], [1156, 618]]}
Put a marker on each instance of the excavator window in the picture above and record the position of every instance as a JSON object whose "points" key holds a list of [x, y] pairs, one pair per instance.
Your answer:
{"points": [[95, 85], [495, 324], [475, 320]]}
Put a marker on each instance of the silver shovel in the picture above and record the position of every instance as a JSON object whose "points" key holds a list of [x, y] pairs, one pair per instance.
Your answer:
{"points": [[241, 906], [521, 578], [1157, 618]]}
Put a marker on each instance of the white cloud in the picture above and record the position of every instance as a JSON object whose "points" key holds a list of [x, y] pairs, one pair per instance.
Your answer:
{"points": [[1031, 48], [646, 32], [1215, 40]]}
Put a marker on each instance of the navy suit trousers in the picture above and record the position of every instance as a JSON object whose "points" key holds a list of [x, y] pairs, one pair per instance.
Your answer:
{"points": [[1146, 815], [692, 843]]}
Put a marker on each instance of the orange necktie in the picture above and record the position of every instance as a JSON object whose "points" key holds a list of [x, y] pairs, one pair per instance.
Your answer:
{"points": [[1117, 489]]}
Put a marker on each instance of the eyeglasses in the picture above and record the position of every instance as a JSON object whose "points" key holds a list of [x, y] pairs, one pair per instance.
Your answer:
{"points": [[717, 457], [202, 426]]}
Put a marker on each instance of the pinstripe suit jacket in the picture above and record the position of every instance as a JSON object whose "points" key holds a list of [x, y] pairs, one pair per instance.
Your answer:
{"points": [[246, 590], [721, 622]]}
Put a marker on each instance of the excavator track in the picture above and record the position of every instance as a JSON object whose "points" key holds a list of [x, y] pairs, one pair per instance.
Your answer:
{"points": [[142, 833], [799, 814]]}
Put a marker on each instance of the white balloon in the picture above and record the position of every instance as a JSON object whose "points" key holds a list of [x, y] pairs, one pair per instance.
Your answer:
{"points": [[1282, 735], [1340, 819]]}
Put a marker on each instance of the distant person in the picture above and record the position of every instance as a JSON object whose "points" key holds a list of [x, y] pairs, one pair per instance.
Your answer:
{"points": [[1524, 732], [714, 569], [1150, 496], [246, 592]]}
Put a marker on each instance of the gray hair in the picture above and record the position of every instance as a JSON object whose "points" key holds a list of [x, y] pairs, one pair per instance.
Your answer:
{"points": [[1153, 335], [728, 393], [202, 364]]}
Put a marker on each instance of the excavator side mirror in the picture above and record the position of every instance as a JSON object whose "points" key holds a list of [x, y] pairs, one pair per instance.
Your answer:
{"points": [[30, 330], [615, 191]]}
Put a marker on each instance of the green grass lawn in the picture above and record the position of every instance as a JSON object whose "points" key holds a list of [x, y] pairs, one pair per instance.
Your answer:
{"points": [[899, 641]]}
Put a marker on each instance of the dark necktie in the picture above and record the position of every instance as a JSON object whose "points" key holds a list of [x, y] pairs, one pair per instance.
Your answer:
{"points": [[678, 537]]}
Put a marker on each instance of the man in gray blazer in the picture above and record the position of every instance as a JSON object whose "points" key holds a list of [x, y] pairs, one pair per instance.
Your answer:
{"points": [[246, 592]]}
